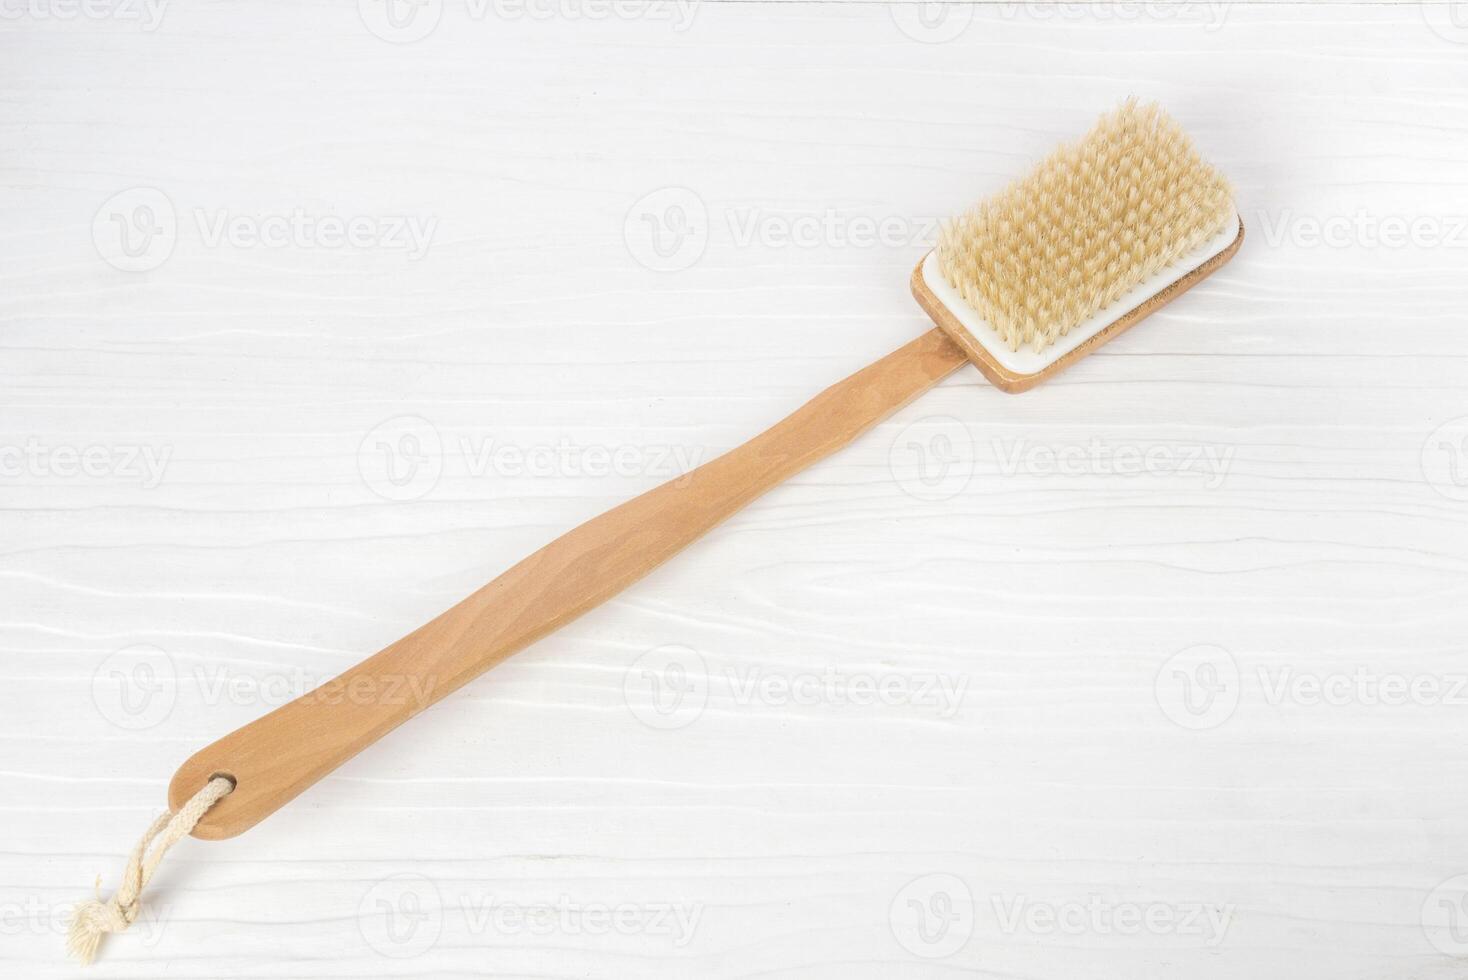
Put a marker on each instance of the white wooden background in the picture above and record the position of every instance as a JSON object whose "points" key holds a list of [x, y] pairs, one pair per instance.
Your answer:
{"points": [[1207, 719]]}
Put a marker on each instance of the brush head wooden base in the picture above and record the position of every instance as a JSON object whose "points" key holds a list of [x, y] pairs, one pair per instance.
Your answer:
{"points": [[1007, 379]]}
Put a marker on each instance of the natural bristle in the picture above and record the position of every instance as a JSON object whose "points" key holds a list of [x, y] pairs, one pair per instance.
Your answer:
{"points": [[1089, 223]]}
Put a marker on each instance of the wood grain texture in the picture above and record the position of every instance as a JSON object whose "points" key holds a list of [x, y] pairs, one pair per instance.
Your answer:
{"points": [[143, 617]]}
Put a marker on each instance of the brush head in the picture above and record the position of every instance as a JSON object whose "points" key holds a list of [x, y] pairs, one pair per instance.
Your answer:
{"points": [[1099, 234]]}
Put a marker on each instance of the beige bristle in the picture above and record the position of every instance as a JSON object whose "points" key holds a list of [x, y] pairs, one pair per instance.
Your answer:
{"points": [[1090, 222]]}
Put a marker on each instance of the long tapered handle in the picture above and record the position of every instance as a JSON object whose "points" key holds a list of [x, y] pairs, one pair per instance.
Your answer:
{"points": [[275, 758]]}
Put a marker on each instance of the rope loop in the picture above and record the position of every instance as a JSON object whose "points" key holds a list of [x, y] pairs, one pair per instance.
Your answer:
{"points": [[94, 918]]}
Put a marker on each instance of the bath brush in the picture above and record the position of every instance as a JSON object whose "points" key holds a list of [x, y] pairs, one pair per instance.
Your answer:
{"points": [[1099, 234]]}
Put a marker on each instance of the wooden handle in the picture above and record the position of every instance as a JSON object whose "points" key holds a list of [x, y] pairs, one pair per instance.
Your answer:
{"points": [[276, 757]]}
